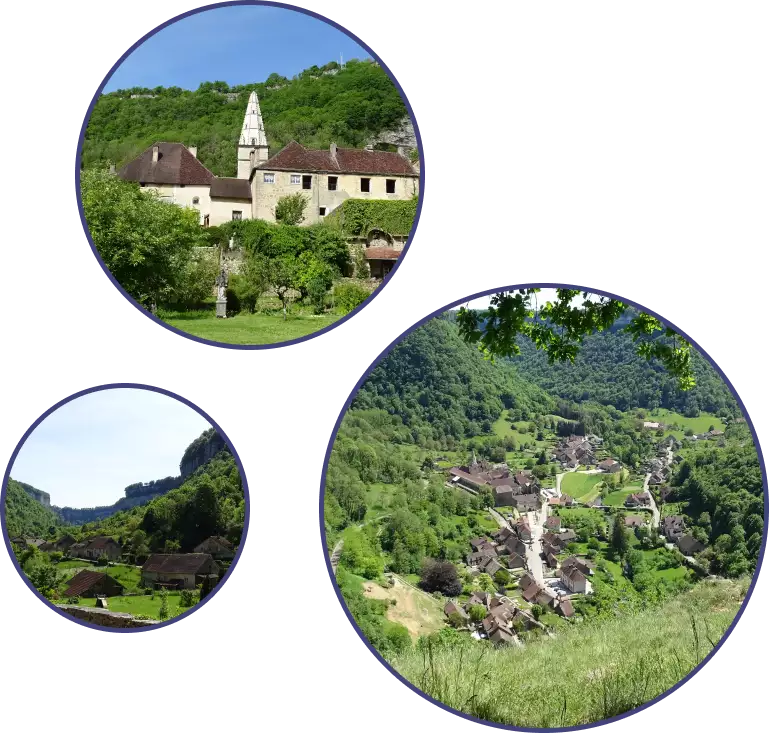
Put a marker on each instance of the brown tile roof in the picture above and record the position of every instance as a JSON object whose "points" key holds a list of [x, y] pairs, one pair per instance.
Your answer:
{"points": [[295, 157], [231, 188], [175, 166], [81, 582], [187, 563], [100, 543], [382, 253]]}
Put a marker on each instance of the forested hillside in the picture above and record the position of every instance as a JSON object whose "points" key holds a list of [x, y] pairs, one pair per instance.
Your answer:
{"points": [[608, 370], [26, 516], [443, 389], [317, 107]]}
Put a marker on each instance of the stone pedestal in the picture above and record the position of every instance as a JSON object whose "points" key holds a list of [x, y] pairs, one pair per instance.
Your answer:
{"points": [[221, 308]]}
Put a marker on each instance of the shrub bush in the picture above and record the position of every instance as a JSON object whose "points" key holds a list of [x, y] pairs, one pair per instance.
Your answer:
{"points": [[349, 296]]}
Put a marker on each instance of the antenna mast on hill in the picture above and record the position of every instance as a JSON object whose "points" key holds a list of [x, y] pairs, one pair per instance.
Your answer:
{"points": [[341, 60]]}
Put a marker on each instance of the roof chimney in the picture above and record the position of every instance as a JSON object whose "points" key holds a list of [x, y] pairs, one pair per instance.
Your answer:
{"points": [[193, 150], [333, 150], [155, 153]]}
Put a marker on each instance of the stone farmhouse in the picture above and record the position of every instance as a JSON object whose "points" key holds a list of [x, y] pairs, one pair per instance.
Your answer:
{"points": [[532, 592], [95, 547], [326, 177], [575, 573], [639, 499], [673, 528], [218, 547], [609, 465], [89, 584], [179, 571]]}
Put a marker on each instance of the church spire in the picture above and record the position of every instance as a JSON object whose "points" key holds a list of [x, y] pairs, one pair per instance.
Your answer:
{"points": [[253, 133]]}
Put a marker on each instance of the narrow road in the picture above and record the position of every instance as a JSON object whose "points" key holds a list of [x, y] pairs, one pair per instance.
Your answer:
{"points": [[534, 548], [652, 503]]}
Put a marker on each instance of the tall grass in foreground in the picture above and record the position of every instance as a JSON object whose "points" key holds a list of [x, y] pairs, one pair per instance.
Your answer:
{"points": [[588, 672]]}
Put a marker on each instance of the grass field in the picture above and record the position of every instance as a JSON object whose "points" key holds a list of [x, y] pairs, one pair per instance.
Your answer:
{"points": [[581, 486], [600, 674], [700, 424], [248, 328], [138, 605], [419, 612], [617, 498]]}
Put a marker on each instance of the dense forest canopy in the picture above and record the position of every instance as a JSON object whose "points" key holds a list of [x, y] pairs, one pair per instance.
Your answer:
{"points": [[25, 516], [317, 107], [442, 388], [607, 370]]}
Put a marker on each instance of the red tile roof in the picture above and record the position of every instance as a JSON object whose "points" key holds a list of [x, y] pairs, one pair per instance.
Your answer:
{"points": [[382, 253], [231, 188], [81, 582], [175, 166], [295, 157]]}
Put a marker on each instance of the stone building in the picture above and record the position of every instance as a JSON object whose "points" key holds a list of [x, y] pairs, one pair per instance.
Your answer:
{"points": [[179, 571], [326, 177]]}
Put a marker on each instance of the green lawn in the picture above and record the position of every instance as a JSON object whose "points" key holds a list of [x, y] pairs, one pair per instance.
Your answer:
{"points": [[617, 498], [700, 424], [248, 328], [138, 605], [581, 486]]}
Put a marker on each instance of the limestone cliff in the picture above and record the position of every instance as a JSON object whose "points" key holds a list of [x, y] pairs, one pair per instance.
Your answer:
{"points": [[39, 496], [201, 451]]}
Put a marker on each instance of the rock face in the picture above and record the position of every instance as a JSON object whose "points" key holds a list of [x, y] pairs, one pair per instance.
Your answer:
{"points": [[39, 496], [201, 451], [403, 137]]}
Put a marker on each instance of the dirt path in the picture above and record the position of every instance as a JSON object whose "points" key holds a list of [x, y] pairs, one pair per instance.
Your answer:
{"points": [[336, 555], [419, 612]]}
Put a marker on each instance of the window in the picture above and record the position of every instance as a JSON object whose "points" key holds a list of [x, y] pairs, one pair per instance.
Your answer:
{"points": [[237, 215], [181, 185], [322, 210], [195, 201], [307, 182], [332, 183], [365, 185], [390, 185], [296, 179], [269, 178]]}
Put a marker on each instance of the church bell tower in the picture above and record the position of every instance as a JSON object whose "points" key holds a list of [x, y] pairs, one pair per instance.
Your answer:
{"points": [[253, 139]]}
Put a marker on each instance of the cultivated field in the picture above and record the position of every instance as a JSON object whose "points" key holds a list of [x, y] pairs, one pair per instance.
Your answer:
{"points": [[581, 486], [700, 424]]}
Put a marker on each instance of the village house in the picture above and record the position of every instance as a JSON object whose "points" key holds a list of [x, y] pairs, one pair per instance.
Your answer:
{"points": [[553, 523], [505, 485], [325, 177], [218, 547], [634, 520], [94, 548], [653, 425], [88, 584], [609, 465], [563, 500], [586, 567], [573, 578], [179, 571], [673, 527], [524, 529], [640, 499], [688, 545], [452, 607]]}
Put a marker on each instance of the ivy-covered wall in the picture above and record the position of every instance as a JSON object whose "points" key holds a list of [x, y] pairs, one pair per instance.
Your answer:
{"points": [[357, 217]]}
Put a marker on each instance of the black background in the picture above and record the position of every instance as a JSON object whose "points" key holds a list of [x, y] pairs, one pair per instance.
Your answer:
{"points": [[639, 176]]}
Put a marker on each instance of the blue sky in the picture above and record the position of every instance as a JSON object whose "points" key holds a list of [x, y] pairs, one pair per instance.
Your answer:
{"points": [[86, 452], [238, 45]]}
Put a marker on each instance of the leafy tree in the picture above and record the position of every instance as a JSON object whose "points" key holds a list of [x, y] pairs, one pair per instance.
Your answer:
{"points": [[441, 577], [619, 538], [477, 612], [485, 583], [290, 209], [163, 612], [559, 328], [145, 243]]}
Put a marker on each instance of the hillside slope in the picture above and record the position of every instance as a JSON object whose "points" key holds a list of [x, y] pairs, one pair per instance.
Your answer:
{"points": [[608, 370], [597, 674], [317, 107], [25, 515], [442, 388]]}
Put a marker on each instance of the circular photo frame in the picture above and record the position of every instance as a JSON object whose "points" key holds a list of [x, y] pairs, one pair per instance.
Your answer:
{"points": [[389, 252], [196, 572], [452, 675]]}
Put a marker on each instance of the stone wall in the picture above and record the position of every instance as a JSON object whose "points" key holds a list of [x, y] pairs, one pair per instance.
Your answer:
{"points": [[102, 617]]}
